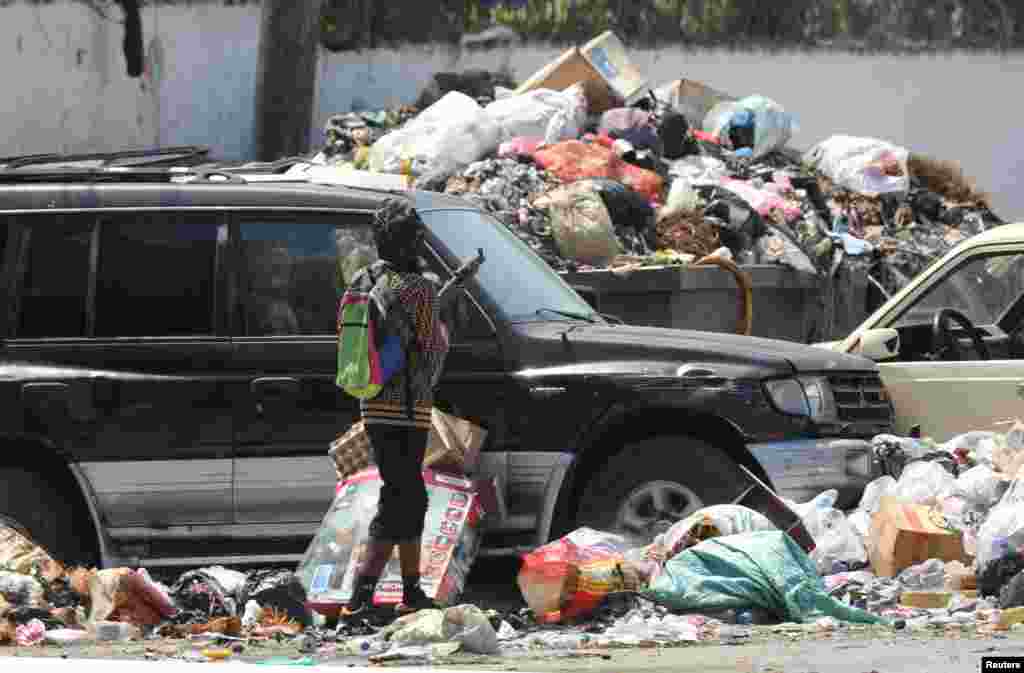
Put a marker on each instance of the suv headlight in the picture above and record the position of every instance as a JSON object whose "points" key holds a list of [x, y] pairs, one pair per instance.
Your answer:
{"points": [[809, 396]]}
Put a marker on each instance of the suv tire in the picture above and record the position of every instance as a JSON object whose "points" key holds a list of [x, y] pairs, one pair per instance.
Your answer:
{"points": [[649, 486], [54, 519]]}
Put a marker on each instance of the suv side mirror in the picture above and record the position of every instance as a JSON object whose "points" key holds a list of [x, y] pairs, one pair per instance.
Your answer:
{"points": [[878, 344]]}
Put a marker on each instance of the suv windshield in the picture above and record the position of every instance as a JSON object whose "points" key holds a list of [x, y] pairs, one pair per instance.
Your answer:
{"points": [[983, 289], [522, 285]]}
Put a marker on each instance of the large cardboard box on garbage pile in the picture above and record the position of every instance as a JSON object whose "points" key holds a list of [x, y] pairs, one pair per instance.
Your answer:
{"points": [[903, 534], [693, 99], [451, 540], [601, 66], [453, 446]]}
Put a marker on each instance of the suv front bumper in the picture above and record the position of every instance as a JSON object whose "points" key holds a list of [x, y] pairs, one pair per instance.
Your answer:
{"points": [[802, 468]]}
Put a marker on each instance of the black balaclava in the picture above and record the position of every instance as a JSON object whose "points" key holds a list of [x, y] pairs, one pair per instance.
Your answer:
{"points": [[398, 233]]}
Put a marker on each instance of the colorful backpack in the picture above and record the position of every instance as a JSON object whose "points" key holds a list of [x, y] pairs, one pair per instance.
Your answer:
{"points": [[376, 335]]}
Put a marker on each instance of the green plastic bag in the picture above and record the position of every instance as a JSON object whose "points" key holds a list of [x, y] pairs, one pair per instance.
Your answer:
{"points": [[765, 569]]}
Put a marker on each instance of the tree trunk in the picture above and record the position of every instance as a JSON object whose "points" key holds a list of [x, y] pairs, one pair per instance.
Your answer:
{"points": [[1006, 22], [286, 77]]}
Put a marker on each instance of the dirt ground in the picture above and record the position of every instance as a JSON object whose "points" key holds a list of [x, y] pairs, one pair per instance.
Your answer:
{"points": [[877, 650]]}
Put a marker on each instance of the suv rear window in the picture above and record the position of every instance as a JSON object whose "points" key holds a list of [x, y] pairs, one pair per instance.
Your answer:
{"points": [[55, 287], [294, 268], [156, 275]]}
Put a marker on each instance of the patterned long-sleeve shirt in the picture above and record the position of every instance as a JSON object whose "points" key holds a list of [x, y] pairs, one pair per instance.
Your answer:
{"points": [[419, 297]]}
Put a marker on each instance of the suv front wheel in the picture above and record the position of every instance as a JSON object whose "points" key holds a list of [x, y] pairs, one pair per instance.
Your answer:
{"points": [[50, 513], [649, 486]]}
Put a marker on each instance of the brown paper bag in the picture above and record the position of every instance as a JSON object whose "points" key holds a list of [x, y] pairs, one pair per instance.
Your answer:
{"points": [[904, 534], [454, 444]]}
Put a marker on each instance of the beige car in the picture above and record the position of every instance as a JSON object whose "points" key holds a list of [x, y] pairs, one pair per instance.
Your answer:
{"points": [[950, 344]]}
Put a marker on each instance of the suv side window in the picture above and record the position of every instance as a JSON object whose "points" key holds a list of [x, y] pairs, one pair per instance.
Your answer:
{"points": [[294, 267], [156, 274], [55, 284]]}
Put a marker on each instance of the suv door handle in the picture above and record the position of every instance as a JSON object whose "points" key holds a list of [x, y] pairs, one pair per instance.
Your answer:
{"points": [[48, 390], [271, 386]]}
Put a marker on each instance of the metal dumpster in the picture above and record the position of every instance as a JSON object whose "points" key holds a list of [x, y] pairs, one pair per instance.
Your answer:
{"points": [[787, 304]]}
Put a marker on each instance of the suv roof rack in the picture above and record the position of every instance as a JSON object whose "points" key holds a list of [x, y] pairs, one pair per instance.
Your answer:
{"points": [[184, 155], [278, 166], [70, 175]]}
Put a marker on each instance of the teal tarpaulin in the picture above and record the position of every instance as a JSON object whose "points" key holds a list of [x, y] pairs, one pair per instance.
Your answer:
{"points": [[764, 569]]}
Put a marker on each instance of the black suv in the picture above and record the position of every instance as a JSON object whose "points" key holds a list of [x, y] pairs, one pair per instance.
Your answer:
{"points": [[167, 360]]}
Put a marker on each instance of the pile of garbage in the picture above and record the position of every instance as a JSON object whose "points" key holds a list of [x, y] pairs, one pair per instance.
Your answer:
{"points": [[934, 544], [41, 601], [594, 169]]}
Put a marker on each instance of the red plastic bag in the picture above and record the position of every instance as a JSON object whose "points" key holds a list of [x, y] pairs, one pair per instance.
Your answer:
{"points": [[705, 136], [574, 160], [570, 577]]}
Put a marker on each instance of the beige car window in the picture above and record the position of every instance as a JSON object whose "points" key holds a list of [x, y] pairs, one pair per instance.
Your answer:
{"points": [[983, 288]]}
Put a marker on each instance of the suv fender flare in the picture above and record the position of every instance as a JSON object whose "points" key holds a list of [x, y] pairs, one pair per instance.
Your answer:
{"points": [[621, 425], [46, 455]]}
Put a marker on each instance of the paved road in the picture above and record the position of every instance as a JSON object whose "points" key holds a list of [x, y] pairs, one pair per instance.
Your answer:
{"points": [[878, 657], [898, 654]]}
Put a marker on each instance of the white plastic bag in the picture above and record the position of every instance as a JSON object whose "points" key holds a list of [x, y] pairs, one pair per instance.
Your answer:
{"points": [[682, 198], [924, 483], [468, 625], [773, 126], [1008, 454], [835, 540], [927, 576], [725, 519], [979, 486], [581, 225], [823, 501], [857, 164], [698, 170], [552, 115], [455, 131], [874, 492], [969, 441], [860, 521], [1004, 523]]}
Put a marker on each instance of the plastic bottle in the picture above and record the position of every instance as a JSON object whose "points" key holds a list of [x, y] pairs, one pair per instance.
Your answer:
{"points": [[366, 647]]}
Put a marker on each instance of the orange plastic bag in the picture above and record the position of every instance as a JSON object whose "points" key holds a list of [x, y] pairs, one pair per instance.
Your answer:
{"points": [[570, 577], [574, 160]]}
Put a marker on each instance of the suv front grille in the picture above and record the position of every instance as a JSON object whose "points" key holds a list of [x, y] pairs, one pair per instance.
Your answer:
{"points": [[861, 398]]}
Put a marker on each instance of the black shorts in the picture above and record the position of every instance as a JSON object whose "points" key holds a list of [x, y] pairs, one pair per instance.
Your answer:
{"points": [[402, 508]]}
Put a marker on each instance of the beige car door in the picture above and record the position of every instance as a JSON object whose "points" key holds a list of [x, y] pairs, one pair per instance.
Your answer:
{"points": [[950, 398]]}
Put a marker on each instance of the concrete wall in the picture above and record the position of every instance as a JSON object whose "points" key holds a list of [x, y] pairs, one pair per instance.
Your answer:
{"points": [[66, 88]]}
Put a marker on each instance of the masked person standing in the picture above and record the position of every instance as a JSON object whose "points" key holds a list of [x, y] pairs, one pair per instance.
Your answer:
{"points": [[399, 435]]}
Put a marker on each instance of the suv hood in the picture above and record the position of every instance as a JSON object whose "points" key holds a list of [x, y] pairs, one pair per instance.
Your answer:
{"points": [[774, 357]]}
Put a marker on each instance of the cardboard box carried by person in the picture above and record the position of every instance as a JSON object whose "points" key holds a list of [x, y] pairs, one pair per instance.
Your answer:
{"points": [[903, 534], [453, 446], [451, 540]]}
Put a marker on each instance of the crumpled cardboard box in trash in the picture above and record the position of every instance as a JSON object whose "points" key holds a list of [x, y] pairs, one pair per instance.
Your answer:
{"points": [[903, 534], [601, 66], [451, 540], [453, 446]]}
